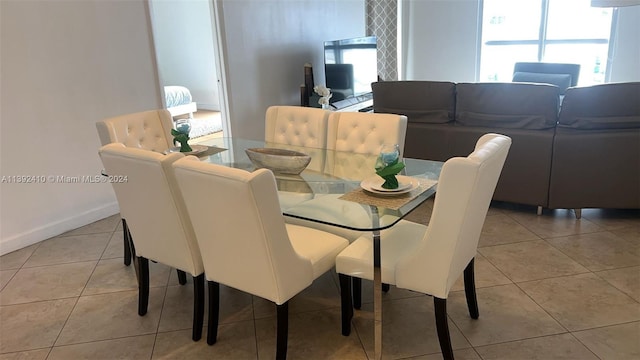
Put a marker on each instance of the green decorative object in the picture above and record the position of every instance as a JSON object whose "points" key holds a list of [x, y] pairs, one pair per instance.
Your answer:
{"points": [[181, 134], [389, 172], [388, 165]]}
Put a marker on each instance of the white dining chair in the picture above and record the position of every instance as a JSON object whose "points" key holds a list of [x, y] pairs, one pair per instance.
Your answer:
{"points": [[349, 133], [291, 127], [365, 133], [150, 130], [296, 125], [429, 259], [361, 133], [245, 242], [156, 218]]}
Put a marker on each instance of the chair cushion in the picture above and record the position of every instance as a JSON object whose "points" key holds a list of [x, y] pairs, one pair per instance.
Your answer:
{"points": [[290, 199], [318, 246], [330, 205], [357, 259]]}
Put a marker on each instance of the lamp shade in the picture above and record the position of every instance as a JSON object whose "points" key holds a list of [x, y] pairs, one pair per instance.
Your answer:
{"points": [[614, 3]]}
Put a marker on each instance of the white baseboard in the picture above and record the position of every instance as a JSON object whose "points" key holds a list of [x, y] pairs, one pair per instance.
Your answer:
{"points": [[55, 228]]}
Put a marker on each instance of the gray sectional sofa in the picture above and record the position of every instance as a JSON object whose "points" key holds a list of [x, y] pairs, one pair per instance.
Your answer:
{"points": [[583, 154]]}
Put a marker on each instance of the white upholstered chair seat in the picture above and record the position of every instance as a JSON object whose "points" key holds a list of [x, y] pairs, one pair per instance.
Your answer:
{"points": [[396, 243], [335, 210], [290, 199], [319, 247]]}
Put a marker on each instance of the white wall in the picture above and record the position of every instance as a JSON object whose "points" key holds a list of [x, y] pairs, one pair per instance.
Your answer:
{"points": [[265, 45], [65, 65], [625, 64], [439, 40], [183, 36]]}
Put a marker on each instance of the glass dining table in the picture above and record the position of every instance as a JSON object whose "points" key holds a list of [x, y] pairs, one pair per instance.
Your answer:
{"points": [[329, 191]]}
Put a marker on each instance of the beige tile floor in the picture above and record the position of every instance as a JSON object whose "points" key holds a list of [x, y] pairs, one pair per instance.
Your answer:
{"points": [[549, 287]]}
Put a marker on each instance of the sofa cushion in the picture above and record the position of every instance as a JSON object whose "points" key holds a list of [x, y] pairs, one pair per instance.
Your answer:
{"points": [[562, 81], [431, 102], [602, 107], [507, 105]]}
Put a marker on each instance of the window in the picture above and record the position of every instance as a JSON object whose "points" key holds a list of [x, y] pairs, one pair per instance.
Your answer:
{"points": [[560, 31]]}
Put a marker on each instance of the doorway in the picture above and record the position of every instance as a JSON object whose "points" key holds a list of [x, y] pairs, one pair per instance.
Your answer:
{"points": [[186, 46]]}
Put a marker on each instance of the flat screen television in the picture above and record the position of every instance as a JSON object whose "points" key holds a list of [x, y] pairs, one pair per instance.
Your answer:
{"points": [[350, 66]]}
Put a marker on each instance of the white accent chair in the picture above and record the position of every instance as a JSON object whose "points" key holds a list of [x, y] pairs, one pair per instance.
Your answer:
{"points": [[429, 259], [149, 130], [289, 127], [156, 218], [365, 133], [296, 125], [361, 133], [246, 244]]}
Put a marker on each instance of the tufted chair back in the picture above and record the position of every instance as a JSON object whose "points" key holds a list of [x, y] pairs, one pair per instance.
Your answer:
{"points": [[245, 243], [149, 130], [155, 214], [362, 133], [365, 133], [296, 125], [288, 127]]}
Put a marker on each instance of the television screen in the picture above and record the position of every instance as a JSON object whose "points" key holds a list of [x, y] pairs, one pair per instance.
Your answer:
{"points": [[350, 66]]}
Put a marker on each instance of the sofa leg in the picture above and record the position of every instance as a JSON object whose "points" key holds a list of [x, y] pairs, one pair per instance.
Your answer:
{"points": [[539, 212], [578, 213]]}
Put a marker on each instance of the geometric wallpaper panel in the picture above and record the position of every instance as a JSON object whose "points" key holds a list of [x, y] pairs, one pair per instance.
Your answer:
{"points": [[382, 21]]}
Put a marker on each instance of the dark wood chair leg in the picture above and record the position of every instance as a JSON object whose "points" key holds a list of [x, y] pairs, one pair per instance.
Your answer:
{"points": [[182, 277], [385, 287], [442, 326], [282, 330], [127, 240], [198, 306], [346, 305], [132, 246], [470, 290], [214, 312], [143, 285], [357, 292]]}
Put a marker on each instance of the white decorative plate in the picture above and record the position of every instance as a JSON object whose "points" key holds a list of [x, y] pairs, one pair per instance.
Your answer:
{"points": [[196, 149], [374, 185]]}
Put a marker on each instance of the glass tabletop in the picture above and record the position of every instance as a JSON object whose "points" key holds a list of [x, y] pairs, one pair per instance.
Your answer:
{"points": [[315, 193]]}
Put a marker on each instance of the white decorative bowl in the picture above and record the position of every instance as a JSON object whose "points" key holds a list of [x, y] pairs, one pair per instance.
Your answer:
{"points": [[279, 160]]}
